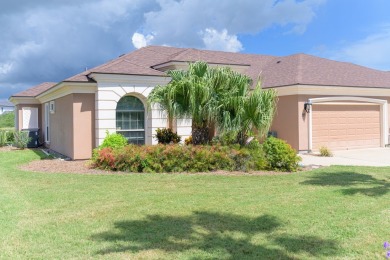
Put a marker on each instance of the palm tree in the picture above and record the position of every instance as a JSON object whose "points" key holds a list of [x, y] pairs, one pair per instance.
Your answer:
{"points": [[245, 112], [193, 93], [187, 96], [216, 96]]}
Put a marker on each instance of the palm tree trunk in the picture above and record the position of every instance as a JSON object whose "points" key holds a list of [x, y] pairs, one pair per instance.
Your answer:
{"points": [[200, 135]]}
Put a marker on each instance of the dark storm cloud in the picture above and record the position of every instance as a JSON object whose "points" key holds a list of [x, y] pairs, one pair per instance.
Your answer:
{"points": [[52, 40]]}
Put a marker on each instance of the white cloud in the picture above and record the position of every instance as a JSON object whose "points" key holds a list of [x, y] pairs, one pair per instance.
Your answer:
{"points": [[177, 23], [52, 40], [372, 51], [139, 40], [215, 40], [5, 68]]}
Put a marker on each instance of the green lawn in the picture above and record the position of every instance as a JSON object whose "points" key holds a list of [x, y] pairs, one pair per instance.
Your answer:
{"points": [[335, 213]]}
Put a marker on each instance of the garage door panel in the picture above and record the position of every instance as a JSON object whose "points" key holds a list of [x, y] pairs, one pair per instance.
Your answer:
{"points": [[345, 126]]}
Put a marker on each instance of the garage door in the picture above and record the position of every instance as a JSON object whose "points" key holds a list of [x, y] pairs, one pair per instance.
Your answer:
{"points": [[346, 126]]}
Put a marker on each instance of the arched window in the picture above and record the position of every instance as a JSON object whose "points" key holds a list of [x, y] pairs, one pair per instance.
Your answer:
{"points": [[130, 119]]}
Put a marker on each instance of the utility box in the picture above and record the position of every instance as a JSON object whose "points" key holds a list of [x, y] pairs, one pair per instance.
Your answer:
{"points": [[34, 137], [273, 134]]}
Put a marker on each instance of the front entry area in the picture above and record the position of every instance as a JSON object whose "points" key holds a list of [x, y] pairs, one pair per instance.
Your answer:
{"points": [[342, 126]]}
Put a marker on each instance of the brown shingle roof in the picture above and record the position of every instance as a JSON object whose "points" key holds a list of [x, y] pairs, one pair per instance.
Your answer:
{"points": [[274, 71], [310, 70], [36, 90]]}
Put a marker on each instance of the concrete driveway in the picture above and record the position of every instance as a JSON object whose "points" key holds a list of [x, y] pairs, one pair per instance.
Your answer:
{"points": [[361, 157]]}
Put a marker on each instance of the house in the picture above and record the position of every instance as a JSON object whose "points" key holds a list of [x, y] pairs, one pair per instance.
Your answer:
{"points": [[321, 102], [6, 106]]}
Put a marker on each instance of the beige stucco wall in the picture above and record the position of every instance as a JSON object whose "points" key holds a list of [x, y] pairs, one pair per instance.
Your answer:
{"points": [[72, 126], [285, 122], [61, 126], [83, 125]]}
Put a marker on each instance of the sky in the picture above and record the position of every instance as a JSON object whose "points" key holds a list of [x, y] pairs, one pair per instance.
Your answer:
{"points": [[51, 40]]}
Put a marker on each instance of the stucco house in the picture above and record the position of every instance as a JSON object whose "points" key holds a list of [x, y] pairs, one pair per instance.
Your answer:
{"points": [[321, 102], [6, 106]]}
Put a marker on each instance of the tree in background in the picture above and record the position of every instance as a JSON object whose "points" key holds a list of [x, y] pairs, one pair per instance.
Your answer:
{"points": [[7, 120]]}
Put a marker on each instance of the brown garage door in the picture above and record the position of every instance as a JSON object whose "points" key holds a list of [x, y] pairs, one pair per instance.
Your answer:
{"points": [[338, 126]]}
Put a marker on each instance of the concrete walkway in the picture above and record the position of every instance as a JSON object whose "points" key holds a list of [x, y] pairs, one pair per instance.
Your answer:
{"points": [[361, 157]]}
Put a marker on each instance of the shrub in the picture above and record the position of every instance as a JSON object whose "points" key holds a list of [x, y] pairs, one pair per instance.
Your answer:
{"points": [[113, 140], [280, 156], [166, 136], [188, 140], [177, 158], [254, 144], [21, 139], [325, 152], [3, 138]]}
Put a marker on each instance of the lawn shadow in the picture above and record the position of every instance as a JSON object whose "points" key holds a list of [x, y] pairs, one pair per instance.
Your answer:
{"points": [[352, 182], [219, 235], [41, 154]]}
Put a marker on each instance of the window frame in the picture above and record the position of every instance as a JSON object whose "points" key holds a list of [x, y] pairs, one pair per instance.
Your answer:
{"points": [[135, 130]]}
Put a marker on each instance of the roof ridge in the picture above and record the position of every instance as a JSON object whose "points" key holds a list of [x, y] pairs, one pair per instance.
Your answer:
{"points": [[139, 65]]}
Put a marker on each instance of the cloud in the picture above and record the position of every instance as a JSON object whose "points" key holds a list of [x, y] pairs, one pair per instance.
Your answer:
{"points": [[139, 40], [214, 40], [372, 51], [178, 23], [51, 40]]}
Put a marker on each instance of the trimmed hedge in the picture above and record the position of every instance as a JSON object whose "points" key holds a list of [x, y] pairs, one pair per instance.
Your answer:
{"points": [[177, 158]]}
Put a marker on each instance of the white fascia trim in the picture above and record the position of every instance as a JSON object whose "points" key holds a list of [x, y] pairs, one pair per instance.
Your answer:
{"points": [[331, 91], [131, 79], [383, 111], [346, 98], [24, 100], [66, 88]]}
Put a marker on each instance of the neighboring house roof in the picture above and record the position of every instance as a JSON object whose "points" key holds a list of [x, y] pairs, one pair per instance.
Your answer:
{"points": [[35, 91], [6, 103], [274, 71]]}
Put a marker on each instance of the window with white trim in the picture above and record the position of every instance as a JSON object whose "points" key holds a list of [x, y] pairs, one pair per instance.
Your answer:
{"points": [[29, 118], [130, 119]]}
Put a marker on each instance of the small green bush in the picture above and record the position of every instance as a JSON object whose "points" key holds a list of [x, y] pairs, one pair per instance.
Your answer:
{"points": [[10, 136], [113, 140], [3, 138], [280, 156], [325, 152], [21, 139], [166, 136], [254, 145]]}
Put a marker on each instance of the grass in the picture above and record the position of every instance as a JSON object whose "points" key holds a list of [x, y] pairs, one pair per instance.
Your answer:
{"points": [[335, 213]]}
